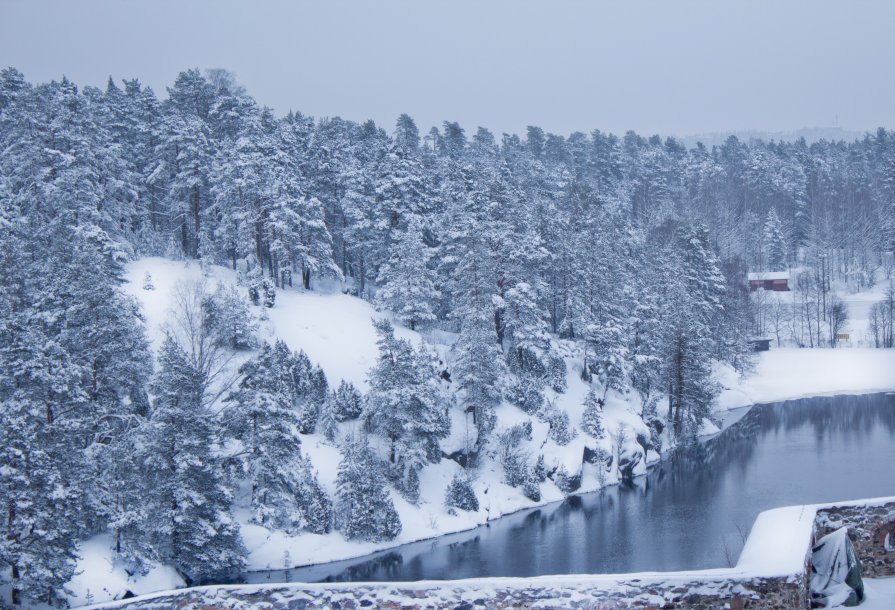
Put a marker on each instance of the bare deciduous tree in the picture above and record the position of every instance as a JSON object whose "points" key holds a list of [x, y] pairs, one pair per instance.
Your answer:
{"points": [[191, 328]]}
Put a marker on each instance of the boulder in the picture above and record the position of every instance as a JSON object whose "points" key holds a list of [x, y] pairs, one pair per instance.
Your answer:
{"points": [[836, 574], [631, 456]]}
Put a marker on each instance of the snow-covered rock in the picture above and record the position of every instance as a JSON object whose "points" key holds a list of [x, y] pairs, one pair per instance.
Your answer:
{"points": [[836, 575]]}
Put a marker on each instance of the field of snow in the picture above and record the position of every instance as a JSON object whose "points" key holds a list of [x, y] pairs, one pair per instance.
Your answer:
{"points": [[336, 331], [859, 304], [790, 373]]}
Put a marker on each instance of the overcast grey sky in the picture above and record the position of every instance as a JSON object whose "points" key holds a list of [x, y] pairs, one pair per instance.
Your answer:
{"points": [[670, 67]]}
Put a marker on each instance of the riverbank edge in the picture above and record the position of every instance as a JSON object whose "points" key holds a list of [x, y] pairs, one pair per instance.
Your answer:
{"points": [[739, 412], [726, 416], [773, 567]]}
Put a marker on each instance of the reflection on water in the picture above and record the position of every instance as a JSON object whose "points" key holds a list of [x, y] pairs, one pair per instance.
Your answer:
{"points": [[692, 511]]}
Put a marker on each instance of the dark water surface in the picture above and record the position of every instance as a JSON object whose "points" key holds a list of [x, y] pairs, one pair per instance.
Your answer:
{"points": [[689, 512]]}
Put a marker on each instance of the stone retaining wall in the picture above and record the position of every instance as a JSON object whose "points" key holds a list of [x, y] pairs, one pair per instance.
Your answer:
{"points": [[757, 594], [868, 527]]}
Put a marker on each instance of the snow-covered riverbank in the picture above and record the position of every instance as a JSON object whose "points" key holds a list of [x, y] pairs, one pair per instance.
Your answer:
{"points": [[770, 570], [790, 373]]}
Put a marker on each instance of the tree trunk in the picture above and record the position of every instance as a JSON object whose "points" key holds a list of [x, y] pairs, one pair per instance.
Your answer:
{"points": [[259, 240], [184, 237], [16, 593], [197, 218], [679, 390], [361, 276]]}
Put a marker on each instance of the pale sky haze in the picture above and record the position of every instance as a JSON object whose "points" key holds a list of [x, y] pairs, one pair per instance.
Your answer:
{"points": [[669, 67]]}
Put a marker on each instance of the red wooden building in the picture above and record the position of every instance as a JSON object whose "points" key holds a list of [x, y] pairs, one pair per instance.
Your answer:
{"points": [[769, 280]]}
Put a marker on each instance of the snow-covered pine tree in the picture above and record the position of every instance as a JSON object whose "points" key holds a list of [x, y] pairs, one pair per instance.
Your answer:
{"points": [[460, 494], [192, 526], [607, 340], [407, 136], [363, 509], [76, 362], [592, 417], [328, 422], [185, 151], [41, 477], [478, 367], [311, 399], [228, 315], [408, 284], [303, 385], [319, 386], [119, 496], [261, 417], [527, 346], [648, 330], [561, 430], [407, 406], [479, 370], [774, 242], [315, 508], [515, 461], [349, 403], [695, 302], [540, 469]]}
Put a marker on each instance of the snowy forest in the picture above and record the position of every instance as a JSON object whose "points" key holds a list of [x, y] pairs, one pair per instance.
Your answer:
{"points": [[625, 258]]}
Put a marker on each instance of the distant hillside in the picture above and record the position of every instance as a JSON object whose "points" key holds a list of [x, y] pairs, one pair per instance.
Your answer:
{"points": [[811, 134]]}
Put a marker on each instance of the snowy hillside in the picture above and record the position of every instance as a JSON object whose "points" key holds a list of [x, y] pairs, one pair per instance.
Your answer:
{"points": [[336, 331], [333, 329]]}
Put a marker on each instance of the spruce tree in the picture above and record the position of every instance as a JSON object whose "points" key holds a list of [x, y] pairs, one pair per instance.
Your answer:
{"points": [[479, 371], [261, 417], [348, 402], [328, 422], [192, 526], [460, 494], [696, 302], [229, 317], [363, 510], [408, 285], [592, 418], [775, 242], [41, 478], [406, 405]]}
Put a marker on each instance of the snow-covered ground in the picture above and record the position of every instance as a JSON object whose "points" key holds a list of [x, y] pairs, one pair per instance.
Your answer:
{"points": [[858, 305], [100, 579], [790, 373], [880, 594], [336, 331]]}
